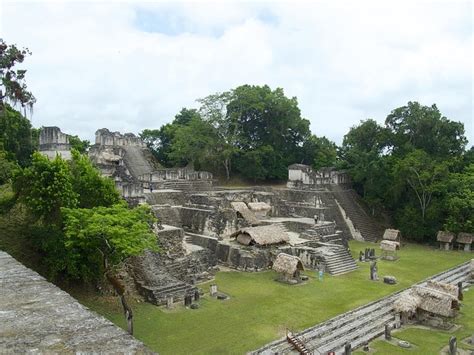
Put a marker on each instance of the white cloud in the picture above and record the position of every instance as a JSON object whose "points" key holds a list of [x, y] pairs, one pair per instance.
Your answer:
{"points": [[128, 67]]}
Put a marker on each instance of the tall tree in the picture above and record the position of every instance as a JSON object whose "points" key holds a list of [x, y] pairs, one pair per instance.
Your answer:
{"points": [[415, 126], [101, 238]]}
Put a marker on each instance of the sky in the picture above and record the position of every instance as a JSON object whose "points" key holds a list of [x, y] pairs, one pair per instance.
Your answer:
{"points": [[129, 66]]}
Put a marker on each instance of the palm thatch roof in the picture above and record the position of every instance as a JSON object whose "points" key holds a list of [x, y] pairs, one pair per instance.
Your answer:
{"points": [[246, 214], [445, 237], [465, 238], [287, 264], [443, 287], [259, 206], [407, 302], [392, 234], [435, 297], [388, 245], [435, 301], [262, 235]]}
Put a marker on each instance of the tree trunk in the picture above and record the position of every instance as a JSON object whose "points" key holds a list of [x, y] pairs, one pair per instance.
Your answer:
{"points": [[120, 289]]}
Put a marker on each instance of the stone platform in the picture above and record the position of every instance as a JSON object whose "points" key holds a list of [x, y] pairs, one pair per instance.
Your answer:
{"points": [[38, 317]]}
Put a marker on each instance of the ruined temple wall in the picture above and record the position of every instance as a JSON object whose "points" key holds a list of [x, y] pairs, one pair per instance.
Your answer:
{"points": [[105, 137], [53, 142]]}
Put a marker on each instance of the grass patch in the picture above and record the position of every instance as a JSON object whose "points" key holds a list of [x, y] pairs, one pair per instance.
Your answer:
{"points": [[432, 341], [260, 309]]}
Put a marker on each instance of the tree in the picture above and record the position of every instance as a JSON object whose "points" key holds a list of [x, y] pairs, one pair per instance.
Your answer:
{"points": [[195, 143], [160, 141], [261, 117], [16, 135], [45, 187], [422, 174], [214, 110], [7, 168], [82, 146], [91, 188], [423, 127], [460, 201], [48, 185], [319, 152], [12, 85], [101, 238]]}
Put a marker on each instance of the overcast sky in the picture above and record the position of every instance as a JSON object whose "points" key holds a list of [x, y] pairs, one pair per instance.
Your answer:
{"points": [[131, 66]]}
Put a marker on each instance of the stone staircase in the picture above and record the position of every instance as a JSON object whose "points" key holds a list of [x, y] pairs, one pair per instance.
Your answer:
{"points": [[358, 326], [368, 227], [340, 262], [136, 160]]}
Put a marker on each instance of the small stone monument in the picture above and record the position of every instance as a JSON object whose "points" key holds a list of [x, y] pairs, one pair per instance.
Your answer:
{"points": [[373, 271], [347, 349], [188, 300], [388, 332], [196, 295], [366, 254], [213, 290], [453, 346], [460, 294], [361, 256], [169, 302]]}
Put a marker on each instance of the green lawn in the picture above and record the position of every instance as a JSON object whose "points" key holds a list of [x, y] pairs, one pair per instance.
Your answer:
{"points": [[429, 341], [260, 309]]}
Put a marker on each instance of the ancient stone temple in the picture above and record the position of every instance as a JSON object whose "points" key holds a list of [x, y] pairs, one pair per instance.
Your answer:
{"points": [[53, 142]]}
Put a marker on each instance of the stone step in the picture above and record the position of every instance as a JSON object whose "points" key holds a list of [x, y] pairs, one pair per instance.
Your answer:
{"points": [[372, 331], [325, 340]]}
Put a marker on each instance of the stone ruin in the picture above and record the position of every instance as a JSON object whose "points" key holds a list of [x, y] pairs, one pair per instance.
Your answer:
{"points": [[200, 223], [53, 142], [126, 159]]}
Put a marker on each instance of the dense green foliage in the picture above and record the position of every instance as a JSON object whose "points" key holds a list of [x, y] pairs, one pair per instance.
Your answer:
{"points": [[268, 308], [251, 131], [415, 168], [17, 138], [48, 185], [96, 235]]}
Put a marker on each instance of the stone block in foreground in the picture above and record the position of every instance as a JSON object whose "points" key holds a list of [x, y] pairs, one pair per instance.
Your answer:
{"points": [[38, 317]]}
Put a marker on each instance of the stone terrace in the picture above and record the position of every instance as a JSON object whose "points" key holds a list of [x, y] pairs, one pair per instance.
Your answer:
{"points": [[38, 317]]}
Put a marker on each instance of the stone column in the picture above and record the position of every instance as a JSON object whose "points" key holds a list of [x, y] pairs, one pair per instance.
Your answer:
{"points": [[213, 290], [188, 299], [347, 349], [169, 302], [388, 332]]}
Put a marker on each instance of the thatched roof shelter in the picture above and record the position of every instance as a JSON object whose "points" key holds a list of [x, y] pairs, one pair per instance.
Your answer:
{"points": [[435, 301], [435, 297], [287, 264], [407, 302], [242, 209], [465, 238], [262, 235], [392, 234], [388, 245], [445, 237]]}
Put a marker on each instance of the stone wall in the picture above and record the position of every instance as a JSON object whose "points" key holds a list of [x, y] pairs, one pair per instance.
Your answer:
{"points": [[37, 317], [53, 142], [107, 138]]}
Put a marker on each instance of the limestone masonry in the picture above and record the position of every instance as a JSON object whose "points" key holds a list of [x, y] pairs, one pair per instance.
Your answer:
{"points": [[38, 317]]}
